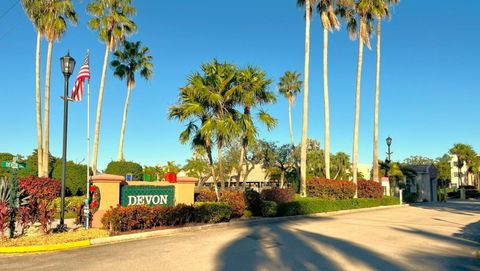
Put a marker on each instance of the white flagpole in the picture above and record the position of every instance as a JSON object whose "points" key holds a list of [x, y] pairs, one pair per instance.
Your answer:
{"points": [[87, 218]]}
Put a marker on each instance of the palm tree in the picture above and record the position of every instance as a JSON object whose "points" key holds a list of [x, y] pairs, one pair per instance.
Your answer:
{"points": [[380, 11], [207, 103], [350, 11], [289, 86], [131, 59], [55, 15], [329, 22], [252, 93], [34, 11], [303, 146], [111, 18]]}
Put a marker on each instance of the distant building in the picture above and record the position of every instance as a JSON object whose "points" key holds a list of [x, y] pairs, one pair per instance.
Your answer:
{"points": [[458, 176], [424, 183]]}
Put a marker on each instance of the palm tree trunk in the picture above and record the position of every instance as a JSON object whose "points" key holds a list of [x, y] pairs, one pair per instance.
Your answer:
{"points": [[282, 178], [46, 113], [124, 124], [212, 170], [357, 113], [240, 163], [220, 165], [290, 122], [377, 96], [38, 106], [99, 111], [326, 103], [303, 148]]}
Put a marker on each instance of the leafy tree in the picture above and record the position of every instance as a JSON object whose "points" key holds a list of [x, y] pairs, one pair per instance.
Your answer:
{"points": [[111, 18], [132, 58], [418, 160], [444, 168], [289, 86], [76, 178], [123, 168], [197, 167], [5, 156], [380, 11], [32, 166], [278, 159]]}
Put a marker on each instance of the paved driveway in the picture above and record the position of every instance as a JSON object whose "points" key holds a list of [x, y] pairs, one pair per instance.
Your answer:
{"points": [[423, 237]]}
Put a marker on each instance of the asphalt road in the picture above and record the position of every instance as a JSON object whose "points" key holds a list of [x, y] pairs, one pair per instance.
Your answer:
{"points": [[423, 237]]}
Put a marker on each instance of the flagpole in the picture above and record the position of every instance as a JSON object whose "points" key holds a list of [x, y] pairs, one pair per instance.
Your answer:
{"points": [[87, 218]]}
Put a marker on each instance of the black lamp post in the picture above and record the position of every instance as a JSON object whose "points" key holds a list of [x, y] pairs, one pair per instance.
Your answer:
{"points": [[67, 65], [389, 142]]}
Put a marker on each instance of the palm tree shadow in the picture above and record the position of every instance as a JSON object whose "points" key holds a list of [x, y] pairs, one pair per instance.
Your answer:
{"points": [[278, 247]]}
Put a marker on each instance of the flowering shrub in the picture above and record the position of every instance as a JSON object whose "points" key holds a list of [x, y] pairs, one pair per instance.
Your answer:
{"points": [[369, 189], [206, 195], [235, 200], [139, 217], [42, 193], [330, 189], [4, 216], [278, 195]]}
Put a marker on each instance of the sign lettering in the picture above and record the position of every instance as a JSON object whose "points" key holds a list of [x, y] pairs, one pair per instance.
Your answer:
{"points": [[147, 195]]}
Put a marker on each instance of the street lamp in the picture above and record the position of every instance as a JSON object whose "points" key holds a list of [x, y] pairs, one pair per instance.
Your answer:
{"points": [[389, 142], [67, 64]]}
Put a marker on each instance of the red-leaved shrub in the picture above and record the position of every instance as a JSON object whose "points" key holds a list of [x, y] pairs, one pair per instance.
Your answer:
{"points": [[369, 189], [278, 195], [206, 195], [235, 200], [42, 193], [330, 189]]}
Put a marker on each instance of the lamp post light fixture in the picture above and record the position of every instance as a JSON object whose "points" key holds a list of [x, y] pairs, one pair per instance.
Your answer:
{"points": [[389, 142], [67, 64]]}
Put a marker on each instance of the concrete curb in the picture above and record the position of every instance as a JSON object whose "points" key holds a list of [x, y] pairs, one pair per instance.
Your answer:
{"points": [[166, 232], [237, 223], [43, 248]]}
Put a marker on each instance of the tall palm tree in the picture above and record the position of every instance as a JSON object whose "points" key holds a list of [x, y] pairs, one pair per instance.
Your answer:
{"points": [[329, 22], [55, 17], [359, 13], [303, 145], [34, 11], [381, 10], [252, 93], [289, 86], [111, 18], [131, 59], [207, 103]]}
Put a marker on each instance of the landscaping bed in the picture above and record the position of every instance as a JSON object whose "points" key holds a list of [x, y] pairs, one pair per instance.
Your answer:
{"points": [[57, 238]]}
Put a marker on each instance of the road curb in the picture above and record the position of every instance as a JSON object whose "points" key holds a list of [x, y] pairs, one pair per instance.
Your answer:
{"points": [[44, 248], [167, 232]]}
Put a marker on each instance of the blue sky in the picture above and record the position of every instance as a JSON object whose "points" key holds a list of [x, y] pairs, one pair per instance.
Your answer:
{"points": [[430, 84]]}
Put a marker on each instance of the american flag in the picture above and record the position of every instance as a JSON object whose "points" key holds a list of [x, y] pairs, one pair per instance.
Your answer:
{"points": [[77, 91]]}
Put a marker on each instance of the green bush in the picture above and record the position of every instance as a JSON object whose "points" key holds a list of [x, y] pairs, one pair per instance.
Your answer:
{"points": [[213, 212], [123, 168], [76, 179], [269, 208], [253, 201], [71, 203], [316, 205], [5, 172]]}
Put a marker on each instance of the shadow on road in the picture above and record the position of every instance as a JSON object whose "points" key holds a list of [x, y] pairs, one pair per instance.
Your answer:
{"points": [[470, 207], [280, 247]]}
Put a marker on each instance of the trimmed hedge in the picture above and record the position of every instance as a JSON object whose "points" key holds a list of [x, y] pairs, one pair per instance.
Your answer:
{"points": [[369, 189], [235, 200], [330, 189], [123, 168], [306, 206], [278, 195], [75, 180], [140, 217]]}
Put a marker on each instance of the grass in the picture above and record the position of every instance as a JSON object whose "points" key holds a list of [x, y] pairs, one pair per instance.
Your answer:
{"points": [[54, 238]]}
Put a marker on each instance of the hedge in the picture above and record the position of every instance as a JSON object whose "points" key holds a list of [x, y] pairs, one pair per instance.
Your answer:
{"points": [[309, 205], [139, 217], [76, 178], [235, 200], [123, 168], [278, 195], [369, 189], [330, 189]]}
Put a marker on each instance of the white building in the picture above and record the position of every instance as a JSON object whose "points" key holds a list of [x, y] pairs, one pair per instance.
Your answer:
{"points": [[458, 176]]}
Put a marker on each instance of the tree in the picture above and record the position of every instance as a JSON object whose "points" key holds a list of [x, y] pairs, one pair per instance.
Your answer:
{"points": [[444, 168], [418, 160], [289, 86], [303, 144], [111, 18], [197, 167], [55, 14], [360, 14], [252, 93], [34, 11], [380, 11], [278, 159], [329, 22], [132, 58], [207, 103]]}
